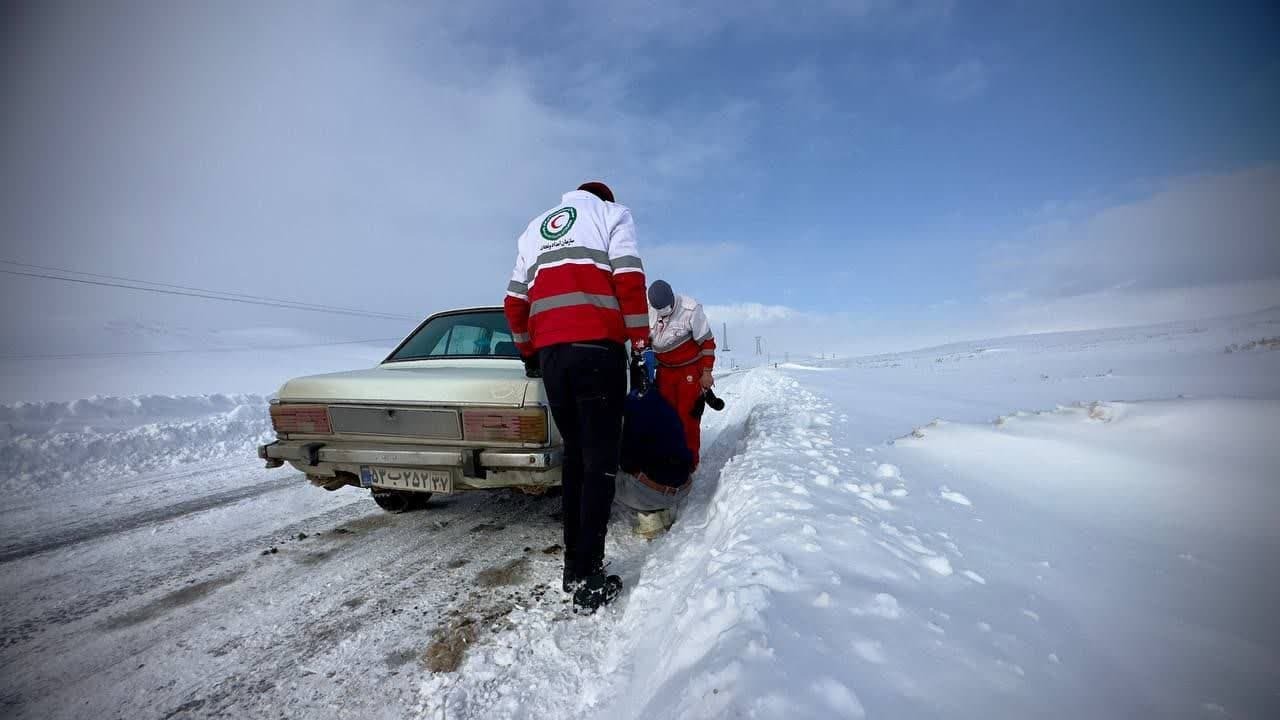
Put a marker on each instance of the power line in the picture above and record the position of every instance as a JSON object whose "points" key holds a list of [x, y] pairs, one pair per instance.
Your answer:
{"points": [[286, 304], [184, 291], [138, 353], [180, 287]]}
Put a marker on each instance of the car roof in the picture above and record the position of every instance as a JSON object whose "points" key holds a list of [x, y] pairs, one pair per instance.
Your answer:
{"points": [[478, 308]]}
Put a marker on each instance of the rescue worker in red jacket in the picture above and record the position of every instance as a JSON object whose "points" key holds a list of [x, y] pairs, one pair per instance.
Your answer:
{"points": [[686, 350], [576, 296]]}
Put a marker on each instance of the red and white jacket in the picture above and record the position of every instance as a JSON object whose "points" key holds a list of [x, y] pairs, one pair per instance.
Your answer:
{"points": [[578, 277], [684, 336]]}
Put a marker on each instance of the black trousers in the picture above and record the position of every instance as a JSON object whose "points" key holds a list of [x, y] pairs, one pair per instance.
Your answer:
{"points": [[586, 386]]}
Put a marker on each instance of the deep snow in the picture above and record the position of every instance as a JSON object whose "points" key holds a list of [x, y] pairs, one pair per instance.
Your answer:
{"points": [[1054, 526], [822, 569], [49, 444]]}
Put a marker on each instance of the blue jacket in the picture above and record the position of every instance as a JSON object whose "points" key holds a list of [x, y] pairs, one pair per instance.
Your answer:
{"points": [[653, 440]]}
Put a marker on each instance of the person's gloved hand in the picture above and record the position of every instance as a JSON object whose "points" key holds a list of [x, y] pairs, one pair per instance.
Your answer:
{"points": [[639, 377], [532, 366], [712, 401]]}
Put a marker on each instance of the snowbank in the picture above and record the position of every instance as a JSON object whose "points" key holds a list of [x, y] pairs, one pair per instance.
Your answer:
{"points": [[97, 413], [48, 444], [789, 588], [1101, 560], [798, 366], [1123, 548], [782, 588], [1174, 465]]}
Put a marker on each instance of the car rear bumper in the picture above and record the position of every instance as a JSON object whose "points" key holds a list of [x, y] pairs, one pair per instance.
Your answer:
{"points": [[471, 467]]}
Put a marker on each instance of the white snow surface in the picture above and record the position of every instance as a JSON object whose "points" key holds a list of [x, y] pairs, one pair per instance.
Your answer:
{"points": [[813, 576], [1054, 526], [53, 443]]}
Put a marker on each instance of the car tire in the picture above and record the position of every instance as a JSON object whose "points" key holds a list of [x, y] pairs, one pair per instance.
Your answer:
{"points": [[397, 501]]}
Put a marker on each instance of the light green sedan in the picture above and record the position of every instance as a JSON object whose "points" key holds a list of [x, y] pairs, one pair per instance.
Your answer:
{"points": [[449, 410]]}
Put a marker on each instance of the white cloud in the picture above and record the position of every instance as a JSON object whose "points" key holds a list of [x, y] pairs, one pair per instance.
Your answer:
{"points": [[362, 155], [679, 22], [1210, 231], [1124, 307], [1196, 248], [751, 313]]}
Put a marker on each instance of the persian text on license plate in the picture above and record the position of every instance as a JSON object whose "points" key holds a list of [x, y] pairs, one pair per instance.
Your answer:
{"points": [[435, 481]]}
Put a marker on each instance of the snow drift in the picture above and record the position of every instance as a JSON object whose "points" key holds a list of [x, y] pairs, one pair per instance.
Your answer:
{"points": [[1103, 558], [55, 442]]}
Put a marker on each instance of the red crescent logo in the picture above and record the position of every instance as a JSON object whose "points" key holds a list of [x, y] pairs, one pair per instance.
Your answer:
{"points": [[556, 222]]}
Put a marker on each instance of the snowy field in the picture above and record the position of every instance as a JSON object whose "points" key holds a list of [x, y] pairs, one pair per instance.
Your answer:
{"points": [[1076, 525]]}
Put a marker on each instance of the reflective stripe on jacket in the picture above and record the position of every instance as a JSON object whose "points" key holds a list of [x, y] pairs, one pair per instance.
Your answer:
{"points": [[684, 337], [578, 277]]}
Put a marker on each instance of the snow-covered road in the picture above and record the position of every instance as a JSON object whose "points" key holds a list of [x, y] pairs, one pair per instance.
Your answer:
{"points": [[148, 611], [1087, 532]]}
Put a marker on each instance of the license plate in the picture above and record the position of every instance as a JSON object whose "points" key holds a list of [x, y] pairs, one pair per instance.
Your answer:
{"points": [[433, 481]]}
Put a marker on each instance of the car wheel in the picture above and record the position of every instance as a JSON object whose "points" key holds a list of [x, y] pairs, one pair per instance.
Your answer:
{"points": [[397, 501]]}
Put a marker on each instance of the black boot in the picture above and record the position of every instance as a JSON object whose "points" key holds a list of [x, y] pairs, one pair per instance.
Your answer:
{"points": [[596, 590], [570, 581]]}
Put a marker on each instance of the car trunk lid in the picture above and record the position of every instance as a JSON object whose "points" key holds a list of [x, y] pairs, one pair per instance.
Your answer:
{"points": [[500, 383]]}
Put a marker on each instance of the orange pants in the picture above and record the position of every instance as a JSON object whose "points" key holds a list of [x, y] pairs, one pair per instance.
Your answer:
{"points": [[681, 387]]}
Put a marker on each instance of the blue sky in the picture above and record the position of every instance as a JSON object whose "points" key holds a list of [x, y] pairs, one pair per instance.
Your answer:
{"points": [[863, 175], [903, 149]]}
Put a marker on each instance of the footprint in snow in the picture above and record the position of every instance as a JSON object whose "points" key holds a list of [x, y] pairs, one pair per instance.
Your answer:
{"points": [[883, 605], [938, 564], [888, 471], [952, 496], [870, 650]]}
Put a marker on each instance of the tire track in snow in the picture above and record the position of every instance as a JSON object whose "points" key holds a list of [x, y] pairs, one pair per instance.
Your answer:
{"points": [[65, 598], [33, 501], [291, 612], [27, 547], [399, 580]]}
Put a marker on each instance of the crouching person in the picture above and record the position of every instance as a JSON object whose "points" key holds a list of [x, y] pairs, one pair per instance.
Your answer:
{"points": [[656, 463], [686, 348]]}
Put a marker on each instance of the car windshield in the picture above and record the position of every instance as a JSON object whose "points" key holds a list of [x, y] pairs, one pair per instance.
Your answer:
{"points": [[477, 333]]}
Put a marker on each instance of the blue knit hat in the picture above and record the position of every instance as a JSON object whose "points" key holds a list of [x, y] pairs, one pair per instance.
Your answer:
{"points": [[661, 296]]}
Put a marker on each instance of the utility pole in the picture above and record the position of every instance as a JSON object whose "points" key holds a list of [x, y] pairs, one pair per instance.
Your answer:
{"points": [[724, 333], [758, 350]]}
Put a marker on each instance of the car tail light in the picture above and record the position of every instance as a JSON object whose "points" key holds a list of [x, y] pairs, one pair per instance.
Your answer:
{"points": [[522, 426], [300, 419]]}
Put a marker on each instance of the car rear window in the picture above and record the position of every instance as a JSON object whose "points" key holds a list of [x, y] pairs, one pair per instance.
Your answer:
{"points": [[482, 333]]}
